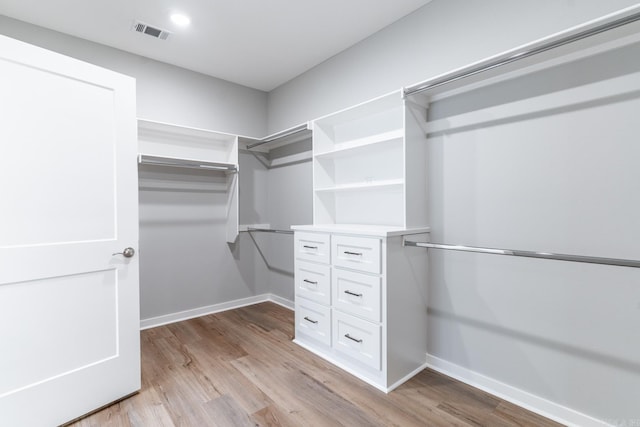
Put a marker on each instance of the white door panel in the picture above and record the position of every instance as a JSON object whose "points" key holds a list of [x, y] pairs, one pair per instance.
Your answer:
{"points": [[69, 308]]}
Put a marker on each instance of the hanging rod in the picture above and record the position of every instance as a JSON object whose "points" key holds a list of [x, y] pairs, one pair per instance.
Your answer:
{"points": [[285, 133], [516, 56], [269, 230], [528, 254], [185, 163]]}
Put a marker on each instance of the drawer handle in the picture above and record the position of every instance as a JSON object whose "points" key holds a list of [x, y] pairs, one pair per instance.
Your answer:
{"points": [[309, 281], [309, 247], [352, 338], [353, 293], [353, 253], [315, 322]]}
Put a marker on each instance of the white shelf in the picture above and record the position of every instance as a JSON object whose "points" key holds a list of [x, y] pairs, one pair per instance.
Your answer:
{"points": [[369, 165], [366, 143], [181, 142], [375, 185]]}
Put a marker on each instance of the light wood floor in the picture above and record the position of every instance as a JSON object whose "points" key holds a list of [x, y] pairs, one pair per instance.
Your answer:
{"points": [[240, 368]]}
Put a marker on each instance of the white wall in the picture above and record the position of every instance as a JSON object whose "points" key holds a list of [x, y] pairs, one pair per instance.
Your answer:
{"points": [[443, 35]]}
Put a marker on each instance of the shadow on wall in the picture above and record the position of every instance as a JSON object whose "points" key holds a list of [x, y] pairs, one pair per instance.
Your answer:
{"points": [[271, 266]]}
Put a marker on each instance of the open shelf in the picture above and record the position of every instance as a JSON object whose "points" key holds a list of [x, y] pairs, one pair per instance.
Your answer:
{"points": [[369, 164], [181, 142]]}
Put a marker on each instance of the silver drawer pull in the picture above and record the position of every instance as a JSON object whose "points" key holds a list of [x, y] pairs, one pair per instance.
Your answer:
{"points": [[353, 253], [352, 293], [352, 338], [310, 247], [315, 322], [309, 281]]}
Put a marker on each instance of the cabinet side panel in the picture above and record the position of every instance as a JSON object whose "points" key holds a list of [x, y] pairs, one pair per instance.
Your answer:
{"points": [[415, 166], [407, 291]]}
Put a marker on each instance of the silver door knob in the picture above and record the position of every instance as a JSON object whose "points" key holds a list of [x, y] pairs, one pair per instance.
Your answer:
{"points": [[127, 252]]}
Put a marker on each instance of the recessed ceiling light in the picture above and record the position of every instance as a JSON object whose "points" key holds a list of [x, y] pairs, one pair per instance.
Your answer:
{"points": [[180, 19]]}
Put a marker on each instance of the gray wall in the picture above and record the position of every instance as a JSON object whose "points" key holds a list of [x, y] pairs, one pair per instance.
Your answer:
{"points": [[529, 325], [290, 203], [443, 35], [557, 330], [280, 196], [563, 180], [165, 93], [185, 262]]}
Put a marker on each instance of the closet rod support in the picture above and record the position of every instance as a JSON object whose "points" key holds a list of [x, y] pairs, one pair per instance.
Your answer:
{"points": [[528, 254], [294, 130]]}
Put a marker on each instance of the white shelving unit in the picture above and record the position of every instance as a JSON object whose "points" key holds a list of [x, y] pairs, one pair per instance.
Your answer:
{"points": [[368, 165], [164, 144], [361, 299]]}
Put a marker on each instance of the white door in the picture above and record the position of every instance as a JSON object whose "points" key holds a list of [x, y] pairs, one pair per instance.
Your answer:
{"points": [[69, 313]]}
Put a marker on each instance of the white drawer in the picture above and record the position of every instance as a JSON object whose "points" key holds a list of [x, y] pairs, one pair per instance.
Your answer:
{"points": [[312, 246], [313, 320], [358, 339], [358, 253], [357, 294], [313, 281]]}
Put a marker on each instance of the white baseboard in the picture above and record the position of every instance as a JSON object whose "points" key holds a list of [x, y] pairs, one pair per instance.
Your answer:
{"points": [[281, 301], [166, 319], [522, 398], [406, 377]]}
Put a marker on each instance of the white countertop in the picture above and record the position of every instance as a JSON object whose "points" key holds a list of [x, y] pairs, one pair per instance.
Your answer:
{"points": [[361, 229]]}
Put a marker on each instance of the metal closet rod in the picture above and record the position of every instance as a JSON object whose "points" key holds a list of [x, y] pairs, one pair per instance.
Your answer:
{"points": [[269, 230], [275, 136], [191, 164], [521, 54], [528, 254]]}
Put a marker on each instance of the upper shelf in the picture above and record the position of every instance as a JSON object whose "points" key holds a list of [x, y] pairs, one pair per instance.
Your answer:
{"points": [[191, 145]]}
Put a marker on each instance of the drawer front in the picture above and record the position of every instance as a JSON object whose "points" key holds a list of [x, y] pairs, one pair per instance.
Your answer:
{"points": [[313, 320], [357, 294], [312, 247], [358, 339], [313, 281], [358, 253]]}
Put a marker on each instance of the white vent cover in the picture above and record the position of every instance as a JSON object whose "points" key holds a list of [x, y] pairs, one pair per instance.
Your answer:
{"points": [[141, 27]]}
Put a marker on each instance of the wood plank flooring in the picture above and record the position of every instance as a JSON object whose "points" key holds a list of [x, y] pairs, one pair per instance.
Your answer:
{"points": [[240, 368]]}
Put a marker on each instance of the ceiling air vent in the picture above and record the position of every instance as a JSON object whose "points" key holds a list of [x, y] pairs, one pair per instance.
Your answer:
{"points": [[141, 27]]}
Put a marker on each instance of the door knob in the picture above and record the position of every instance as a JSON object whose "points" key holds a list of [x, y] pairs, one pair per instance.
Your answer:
{"points": [[127, 252]]}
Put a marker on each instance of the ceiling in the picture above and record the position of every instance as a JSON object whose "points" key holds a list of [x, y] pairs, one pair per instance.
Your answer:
{"points": [[257, 43]]}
